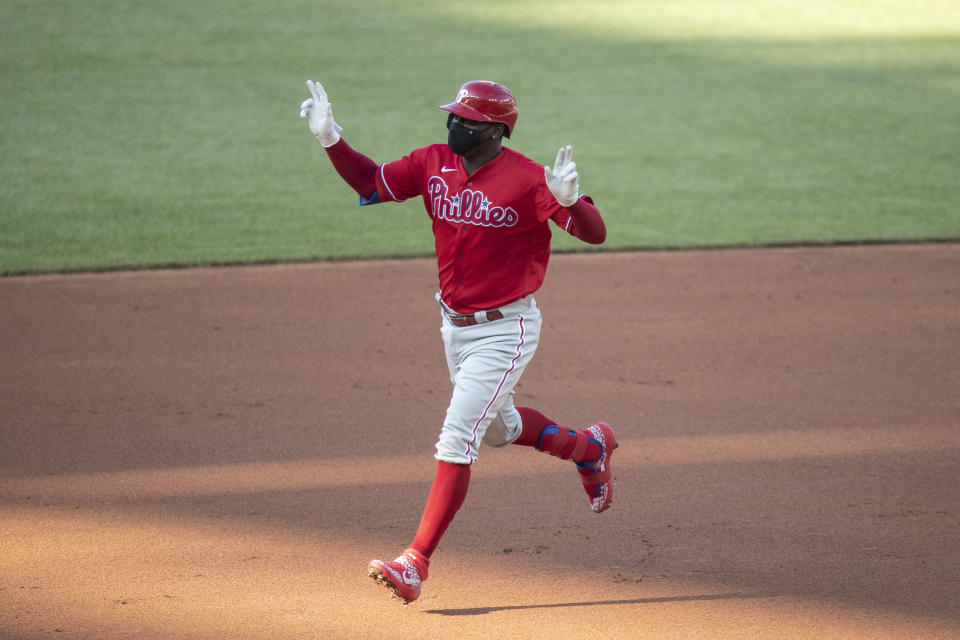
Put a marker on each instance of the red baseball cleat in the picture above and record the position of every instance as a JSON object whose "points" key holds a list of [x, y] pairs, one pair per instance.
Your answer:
{"points": [[401, 576], [595, 474]]}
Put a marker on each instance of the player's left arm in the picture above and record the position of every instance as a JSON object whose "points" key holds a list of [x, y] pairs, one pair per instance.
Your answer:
{"points": [[585, 222]]}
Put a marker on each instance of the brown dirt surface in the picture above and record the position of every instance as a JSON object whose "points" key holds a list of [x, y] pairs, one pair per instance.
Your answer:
{"points": [[218, 452]]}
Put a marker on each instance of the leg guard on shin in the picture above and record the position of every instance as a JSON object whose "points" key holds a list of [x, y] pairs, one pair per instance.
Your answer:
{"points": [[569, 444], [564, 442]]}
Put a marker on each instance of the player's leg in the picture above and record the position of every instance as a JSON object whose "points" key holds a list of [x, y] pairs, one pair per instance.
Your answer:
{"points": [[405, 575], [546, 434], [590, 449], [485, 361]]}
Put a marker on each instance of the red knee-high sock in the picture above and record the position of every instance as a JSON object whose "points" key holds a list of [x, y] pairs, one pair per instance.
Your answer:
{"points": [[446, 497], [545, 434]]}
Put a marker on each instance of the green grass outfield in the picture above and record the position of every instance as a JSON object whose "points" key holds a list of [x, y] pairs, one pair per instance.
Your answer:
{"points": [[138, 133]]}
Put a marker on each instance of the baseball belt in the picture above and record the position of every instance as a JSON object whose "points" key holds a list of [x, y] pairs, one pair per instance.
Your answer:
{"points": [[470, 319]]}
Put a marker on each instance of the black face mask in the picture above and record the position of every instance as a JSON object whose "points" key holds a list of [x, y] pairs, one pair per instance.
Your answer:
{"points": [[461, 139]]}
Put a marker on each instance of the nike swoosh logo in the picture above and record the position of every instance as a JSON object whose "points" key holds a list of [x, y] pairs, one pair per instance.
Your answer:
{"points": [[447, 169]]}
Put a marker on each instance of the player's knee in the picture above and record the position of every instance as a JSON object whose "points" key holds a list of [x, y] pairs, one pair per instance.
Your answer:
{"points": [[495, 439], [503, 429], [501, 436]]}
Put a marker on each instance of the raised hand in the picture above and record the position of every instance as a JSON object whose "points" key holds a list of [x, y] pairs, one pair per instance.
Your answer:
{"points": [[562, 179], [319, 114]]}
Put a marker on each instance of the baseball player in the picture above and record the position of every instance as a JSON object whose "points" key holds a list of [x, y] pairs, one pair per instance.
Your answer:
{"points": [[490, 208]]}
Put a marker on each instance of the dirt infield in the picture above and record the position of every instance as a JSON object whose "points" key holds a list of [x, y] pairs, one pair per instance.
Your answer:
{"points": [[217, 453]]}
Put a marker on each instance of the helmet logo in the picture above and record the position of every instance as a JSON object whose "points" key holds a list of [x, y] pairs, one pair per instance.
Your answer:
{"points": [[462, 95]]}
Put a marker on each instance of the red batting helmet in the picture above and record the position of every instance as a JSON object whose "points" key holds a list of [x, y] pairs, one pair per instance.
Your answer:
{"points": [[485, 101]]}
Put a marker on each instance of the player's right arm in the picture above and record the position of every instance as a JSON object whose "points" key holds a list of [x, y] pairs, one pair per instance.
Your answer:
{"points": [[356, 169]]}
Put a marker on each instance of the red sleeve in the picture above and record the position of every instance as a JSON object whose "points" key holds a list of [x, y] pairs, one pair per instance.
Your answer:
{"points": [[356, 169], [401, 179], [583, 220]]}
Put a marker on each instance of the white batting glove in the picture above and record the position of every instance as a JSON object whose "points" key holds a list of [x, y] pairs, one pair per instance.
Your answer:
{"points": [[319, 114], [562, 180]]}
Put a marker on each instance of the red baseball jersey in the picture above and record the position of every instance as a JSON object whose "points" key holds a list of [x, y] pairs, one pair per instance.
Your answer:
{"points": [[490, 228]]}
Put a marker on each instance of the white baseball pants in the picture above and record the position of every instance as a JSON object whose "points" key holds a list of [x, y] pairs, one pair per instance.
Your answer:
{"points": [[486, 361]]}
